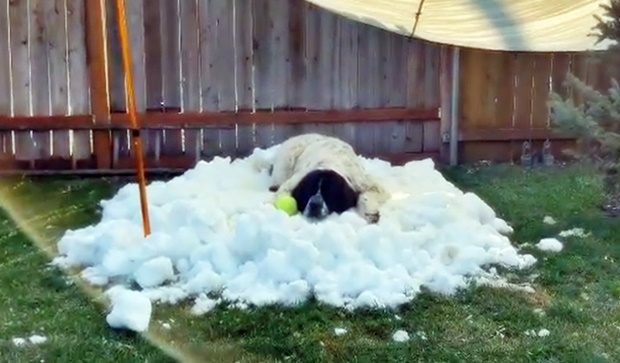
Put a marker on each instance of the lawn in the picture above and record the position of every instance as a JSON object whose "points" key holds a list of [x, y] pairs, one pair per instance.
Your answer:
{"points": [[576, 298]]}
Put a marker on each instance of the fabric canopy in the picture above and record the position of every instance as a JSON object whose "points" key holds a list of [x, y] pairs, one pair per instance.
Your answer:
{"points": [[510, 25]]}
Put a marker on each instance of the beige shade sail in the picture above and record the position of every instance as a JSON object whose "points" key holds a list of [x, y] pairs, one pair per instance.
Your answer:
{"points": [[509, 25]]}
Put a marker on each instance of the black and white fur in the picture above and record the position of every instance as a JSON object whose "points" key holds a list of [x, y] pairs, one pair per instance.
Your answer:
{"points": [[325, 175]]}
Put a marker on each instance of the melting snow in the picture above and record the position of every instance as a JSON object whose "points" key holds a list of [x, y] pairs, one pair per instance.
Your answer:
{"points": [[400, 336], [33, 339], [577, 232], [550, 244], [216, 238]]}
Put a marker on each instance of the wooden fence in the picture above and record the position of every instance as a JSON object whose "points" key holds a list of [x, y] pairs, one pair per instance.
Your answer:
{"points": [[504, 98], [220, 77]]}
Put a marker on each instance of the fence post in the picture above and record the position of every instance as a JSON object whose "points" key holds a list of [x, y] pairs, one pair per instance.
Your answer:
{"points": [[99, 100]]}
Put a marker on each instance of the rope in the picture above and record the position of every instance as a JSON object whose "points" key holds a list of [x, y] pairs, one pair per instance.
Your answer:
{"points": [[131, 109]]}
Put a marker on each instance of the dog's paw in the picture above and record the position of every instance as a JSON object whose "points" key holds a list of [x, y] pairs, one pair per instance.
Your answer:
{"points": [[274, 188]]}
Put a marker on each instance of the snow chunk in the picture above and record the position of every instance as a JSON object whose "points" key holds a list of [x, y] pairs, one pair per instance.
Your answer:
{"points": [[130, 309], [340, 331], [541, 333], [577, 232], [550, 244], [154, 272], [37, 339], [400, 336], [549, 220], [18, 342], [33, 339]]}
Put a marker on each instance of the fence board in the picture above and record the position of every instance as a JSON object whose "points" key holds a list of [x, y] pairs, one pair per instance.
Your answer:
{"points": [[171, 77], [209, 142], [55, 16], [154, 75], [116, 84], [244, 75], [79, 103], [39, 70], [5, 65], [190, 71], [6, 137], [540, 91], [20, 69], [264, 12], [225, 71], [560, 68], [524, 90], [312, 36]]}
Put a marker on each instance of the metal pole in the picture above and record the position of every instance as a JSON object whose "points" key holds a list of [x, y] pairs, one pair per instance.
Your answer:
{"points": [[454, 112]]}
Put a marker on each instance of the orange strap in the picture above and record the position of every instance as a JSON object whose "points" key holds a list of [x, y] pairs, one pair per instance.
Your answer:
{"points": [[131, 109]]}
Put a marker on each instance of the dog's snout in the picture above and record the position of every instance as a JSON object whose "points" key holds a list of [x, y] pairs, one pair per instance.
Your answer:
{"points": [[316, 207]]}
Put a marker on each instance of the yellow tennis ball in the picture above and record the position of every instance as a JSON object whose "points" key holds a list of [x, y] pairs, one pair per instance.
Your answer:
{"points": [[286, 203]]}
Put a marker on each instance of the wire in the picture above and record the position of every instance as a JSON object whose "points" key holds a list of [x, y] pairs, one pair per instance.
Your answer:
{"points": [[131, 109]]}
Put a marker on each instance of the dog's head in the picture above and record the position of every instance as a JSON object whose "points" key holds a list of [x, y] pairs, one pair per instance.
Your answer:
{"points": [[322, 192]]}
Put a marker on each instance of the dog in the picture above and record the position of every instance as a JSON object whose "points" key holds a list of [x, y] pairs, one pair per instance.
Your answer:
{"points": [[324, 175]]}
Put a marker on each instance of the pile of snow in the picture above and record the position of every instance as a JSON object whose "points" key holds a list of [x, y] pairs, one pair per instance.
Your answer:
{"points": [[217, 238]]}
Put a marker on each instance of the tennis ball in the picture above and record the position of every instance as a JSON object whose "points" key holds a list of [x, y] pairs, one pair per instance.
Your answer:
{"points": [[286, 203]]}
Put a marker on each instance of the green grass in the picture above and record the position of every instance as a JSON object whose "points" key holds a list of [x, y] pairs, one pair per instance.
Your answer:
{"points": [[578, 291]]}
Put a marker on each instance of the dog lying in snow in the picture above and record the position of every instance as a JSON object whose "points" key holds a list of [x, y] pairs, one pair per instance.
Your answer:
{"points": [[325, 175]]}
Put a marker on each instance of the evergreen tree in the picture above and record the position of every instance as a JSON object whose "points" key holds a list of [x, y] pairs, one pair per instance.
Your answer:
{"points": [[595, 123]]}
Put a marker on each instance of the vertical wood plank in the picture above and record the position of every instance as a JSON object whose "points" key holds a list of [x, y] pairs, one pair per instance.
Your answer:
{"points": [[328, 61], [116, 82], [524, 90], [20, 62], [244, 52], [415, 73], [264, 12], [431, 76], [154, 73], [296, 46], [312, 35], [171, 68], [225, 69], [6, 137], [99, 91], [540, 92], [209, 53], [445, 88], [55, 15], [39, 70], [78, 75], [505, 110], [134, 10], [5, 64], [560, 68], [190, 70]]}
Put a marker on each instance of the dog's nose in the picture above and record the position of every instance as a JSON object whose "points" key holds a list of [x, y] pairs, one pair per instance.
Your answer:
{"points": [[315, 206]]}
